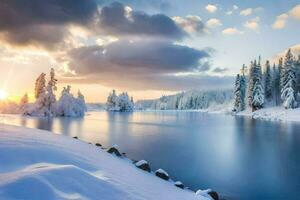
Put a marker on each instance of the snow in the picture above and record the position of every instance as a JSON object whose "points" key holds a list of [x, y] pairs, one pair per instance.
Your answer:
{"points": [[162, 172], [274, 114], [37, 165], [140, 163]]}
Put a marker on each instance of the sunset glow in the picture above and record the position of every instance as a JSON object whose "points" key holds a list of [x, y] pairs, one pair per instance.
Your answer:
{"points": [[3, 94]]}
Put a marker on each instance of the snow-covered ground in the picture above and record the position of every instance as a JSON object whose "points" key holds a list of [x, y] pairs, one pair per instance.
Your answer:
{"points": [[274, 114], [36, 164]]}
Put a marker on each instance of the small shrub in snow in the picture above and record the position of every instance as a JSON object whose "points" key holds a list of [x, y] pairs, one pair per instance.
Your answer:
{"points": [[98, 145], [162, 174], [142, 164]]}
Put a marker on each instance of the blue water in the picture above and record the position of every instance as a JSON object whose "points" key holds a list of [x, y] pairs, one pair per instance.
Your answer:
{"points": [[239, 157]]}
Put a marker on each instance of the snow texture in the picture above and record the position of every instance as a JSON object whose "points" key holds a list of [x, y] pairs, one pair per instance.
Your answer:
{"points": [[39, 165]]}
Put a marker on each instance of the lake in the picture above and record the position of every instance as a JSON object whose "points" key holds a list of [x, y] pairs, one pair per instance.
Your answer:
{"points": [[239, 157]]}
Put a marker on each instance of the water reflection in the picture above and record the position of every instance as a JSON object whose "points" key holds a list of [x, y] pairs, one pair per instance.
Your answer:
{"points": [[239, 157]]}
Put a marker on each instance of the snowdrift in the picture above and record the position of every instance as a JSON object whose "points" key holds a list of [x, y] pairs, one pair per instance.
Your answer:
{"points": [[37, 165]]}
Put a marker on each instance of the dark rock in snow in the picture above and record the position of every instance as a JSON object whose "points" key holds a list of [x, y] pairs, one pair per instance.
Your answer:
{"points": [[75, 137], [179, 184], [214, 195], [98, 145], [162, 174], [142, 164], [114, 150]]}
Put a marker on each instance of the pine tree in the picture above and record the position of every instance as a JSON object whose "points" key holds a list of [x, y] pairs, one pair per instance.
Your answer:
{"points": [[276, 85], [250, 84], [243, 86], [268, 82], [281, 73], [257, 91], [50, 98], [237, 94], [40, 85], [288, 90]]}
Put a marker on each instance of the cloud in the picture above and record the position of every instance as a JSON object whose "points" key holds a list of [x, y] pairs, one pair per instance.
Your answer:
{"points": [[232, 31], [246, 12], [213, 22], [191, 24], [220, 70], [211, 8], [295, 12], [282, 19], [135, 62], [253, 24], [115, 19], [29, 22]]}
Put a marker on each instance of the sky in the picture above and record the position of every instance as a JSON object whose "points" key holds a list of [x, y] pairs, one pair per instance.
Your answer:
{"points": [[146, 47]]}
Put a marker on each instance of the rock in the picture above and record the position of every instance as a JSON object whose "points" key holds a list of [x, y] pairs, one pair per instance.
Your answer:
{"points": [[114, 150], [75, 137], [208, 193], [214, 195], [142, 164], [179, 184], [98, 145], [162, 174]]}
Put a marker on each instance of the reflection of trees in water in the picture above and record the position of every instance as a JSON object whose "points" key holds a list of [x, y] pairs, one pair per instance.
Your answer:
{"points": [[45, 123]]}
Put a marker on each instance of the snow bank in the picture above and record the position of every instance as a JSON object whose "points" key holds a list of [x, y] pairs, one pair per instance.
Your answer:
{"points": [[274, 114], [37, 165]]}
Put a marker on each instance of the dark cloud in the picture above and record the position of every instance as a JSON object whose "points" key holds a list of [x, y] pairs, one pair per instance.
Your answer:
{"points": [[37, 21], [138, 57], [142, 64], [116, 20]]}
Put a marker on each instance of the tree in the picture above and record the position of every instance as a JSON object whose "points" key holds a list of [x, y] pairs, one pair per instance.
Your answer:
{"points": [[258, 96], [24, 103], [243, 86], [268, 82], [50, 98], [237, 94], [124, 103], [288, 90], [112, 102], [40, 85], [250, 84], [257, 91], [276, 85]]}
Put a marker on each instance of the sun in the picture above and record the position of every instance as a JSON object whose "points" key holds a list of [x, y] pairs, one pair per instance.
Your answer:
{"points": [[3, 94]]}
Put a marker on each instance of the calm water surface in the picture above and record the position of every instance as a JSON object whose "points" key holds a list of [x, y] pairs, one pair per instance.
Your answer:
{"points": [[239, 157]]}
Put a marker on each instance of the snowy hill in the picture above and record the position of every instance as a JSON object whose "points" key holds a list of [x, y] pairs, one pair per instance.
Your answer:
{"points": [[39, 165]]}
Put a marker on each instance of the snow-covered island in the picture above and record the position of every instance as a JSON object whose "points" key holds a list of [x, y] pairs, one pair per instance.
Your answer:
{"points": [[59, 167]]}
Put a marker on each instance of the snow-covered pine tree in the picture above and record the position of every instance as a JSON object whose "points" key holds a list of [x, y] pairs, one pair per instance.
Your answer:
{"points": [[258, 96], [237, 94], [268, 82], [281, 72], [258, 91], [276, 85], [243, 86], [250, 84], [40, 86], [112, 101], [124, 103], [288, 90], [50, 99]]}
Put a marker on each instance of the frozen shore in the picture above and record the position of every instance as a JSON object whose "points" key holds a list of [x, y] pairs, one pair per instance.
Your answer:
{"points": [[37, 164]]}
